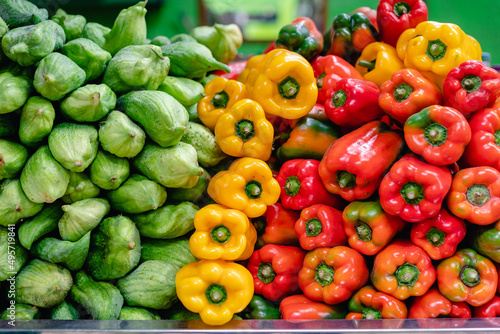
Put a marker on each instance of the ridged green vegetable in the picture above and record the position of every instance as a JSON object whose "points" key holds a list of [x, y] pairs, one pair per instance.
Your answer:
{"points": [[196, 194], [108, 171], [174, 251], [72, 24], [137, 195], [64, 311], [203, 140], [21, 312], [15, 88], [3, 28], [182, 38], [115, 248], [14, 204], [81, 217], [172, 167], [168, 222], [30, 44], [74, 145], [119, 135], [223, 40], [137, 313], [160, 40], [96, 32], [88, 55], [10, 267], [43, 223], [42, 284], [13, 156], [184, 90], [151, 285], [37, 120], [21, 12], [80, 187], [101, 299], [89, 103], [162, 117], [72, 255]]}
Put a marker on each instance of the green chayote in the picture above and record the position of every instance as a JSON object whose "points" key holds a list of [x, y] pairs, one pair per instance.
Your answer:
{"points": [[160, 40], [10, 267], [89, 103], [37, 120], [3, 28], [74, 145], [96, 32], [14, 204], [174, 251], [196, 194], [81, 217], [15, 87], [223, 40], [88, 55], [203, 140], [64, 311], [136, 67], [43, 223], [182, 38], [119, 135], [80, 187], [13, 156], [184, 90], [18, 13], [72, 24], [20, 311], [27, 45], [108, 171], [137, 313]]}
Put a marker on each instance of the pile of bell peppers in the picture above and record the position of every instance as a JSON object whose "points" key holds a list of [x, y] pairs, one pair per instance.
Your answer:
{"points": [[363, 179]]}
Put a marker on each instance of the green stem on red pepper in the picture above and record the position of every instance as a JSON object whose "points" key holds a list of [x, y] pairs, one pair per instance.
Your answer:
{"points": [[478, 194], [413, 193], [324, 274], [292, 186], [471, 83], [266, 272], [436, 134], [407, 274]]}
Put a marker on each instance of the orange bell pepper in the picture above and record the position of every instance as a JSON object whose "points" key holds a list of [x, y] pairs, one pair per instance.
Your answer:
{"points": [[369, 303]]}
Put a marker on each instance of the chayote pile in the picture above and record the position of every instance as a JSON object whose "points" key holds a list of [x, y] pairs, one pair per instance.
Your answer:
{"points": [[102, 167]]}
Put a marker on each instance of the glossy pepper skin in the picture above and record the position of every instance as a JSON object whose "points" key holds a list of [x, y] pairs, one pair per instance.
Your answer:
{"points": [[301, 186], [244, 131], [368, 303], [283, 83], [222, 233], [475, 195], [486, 241], [330, 69], [467, 277], [349, 35], [220, 95], [403, 270], [484, 146], [235, 68], [354, 164], [378, 62], [251, 62], [434, 305], [275, 270], [471, 87], [247, 185], [353, 102], [215, 289], [277, 225], [370, 13], [407, 92], [320, 225], [438, 133], [261, 308], [489, 310], [332, 275], [414, 189], [368, 228], [394, 17], [301, 36], [300, 307], [310, 136], [440, 235], [436, 48]]}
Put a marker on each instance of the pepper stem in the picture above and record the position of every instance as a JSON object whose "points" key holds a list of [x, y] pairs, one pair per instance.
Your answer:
{"points": [[313, 227], [470, 276], [216, 294], [435, 134], [435, 236], [402, 92], [289, 88], [253, 189], [266, 272], [244, 129], [371, 313], [320, 79], [412, 192], [478, 195], [370, 65], [220, 234], [292, 186], [436, 49], [407, 274], [401, 8], [471, 83], [339, 98], [220, 99], [324, 274], [346, 179], [363, 231]]}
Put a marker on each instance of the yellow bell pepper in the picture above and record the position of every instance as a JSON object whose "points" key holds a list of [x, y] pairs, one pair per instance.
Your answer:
{"points": [[222, 233], [242, 77], [283, 83], [435, 48], [248, 185], [220, 95], [215, 289], [244, 131], [377, 62]]}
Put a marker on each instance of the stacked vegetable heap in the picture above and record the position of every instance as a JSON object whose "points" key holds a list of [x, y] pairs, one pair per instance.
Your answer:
{"points": [[352, 174]]}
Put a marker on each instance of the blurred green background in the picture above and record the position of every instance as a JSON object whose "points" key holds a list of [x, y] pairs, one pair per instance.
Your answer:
{"points": [[479, 18]]}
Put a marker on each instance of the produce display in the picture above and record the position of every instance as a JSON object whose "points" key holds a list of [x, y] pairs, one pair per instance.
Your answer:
{"points": [[346, 174]]}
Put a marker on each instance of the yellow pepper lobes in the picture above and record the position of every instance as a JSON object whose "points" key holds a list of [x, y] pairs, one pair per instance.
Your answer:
{"points": [[242, 77], [435, 48], [248, 185], [283, 83], [377, 62], [215, 289], [222, 233], [244, 131], [220, 95]]}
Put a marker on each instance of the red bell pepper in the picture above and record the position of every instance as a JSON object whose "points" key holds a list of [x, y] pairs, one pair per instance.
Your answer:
{"points": [[414, 189], [368, 303], [402, 270], [301, 36], [275, 270], [320, 226], [301, 307], [434, 305], [353, 102], [332, 275], [301, 186], [484, 146], [235, 68], [330, 69], [489, 310], [354, 164], [467, 277], [395, 16], [439, 134], [471, 87], [277, 226], [475, 195], [440, 235], [368, 227]]}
